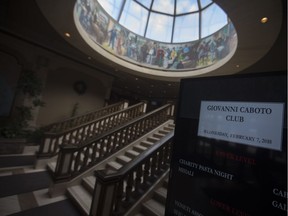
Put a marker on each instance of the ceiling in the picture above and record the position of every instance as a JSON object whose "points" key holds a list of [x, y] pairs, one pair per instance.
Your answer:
{"points": [[261, 47]]}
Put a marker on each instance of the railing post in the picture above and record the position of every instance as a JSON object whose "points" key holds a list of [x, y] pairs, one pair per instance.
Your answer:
{"points": [[144, 106], [64, 162], [126, 104], [172, 108], [104, 194], [44, 146]]}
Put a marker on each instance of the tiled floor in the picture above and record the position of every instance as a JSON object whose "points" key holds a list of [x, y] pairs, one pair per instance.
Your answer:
{"points": [[24, 201]]}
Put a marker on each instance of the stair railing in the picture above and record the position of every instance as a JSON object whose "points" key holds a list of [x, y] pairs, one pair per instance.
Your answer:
{"points": [[116, 191], [51, 141], [74, 160], [86, 117]]}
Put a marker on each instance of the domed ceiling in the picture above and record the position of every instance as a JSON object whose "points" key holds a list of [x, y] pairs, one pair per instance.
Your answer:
{"points": [[236, 25], [164, 38]]}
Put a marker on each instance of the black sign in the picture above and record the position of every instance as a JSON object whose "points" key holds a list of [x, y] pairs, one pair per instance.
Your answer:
{"points": [[243, 172]]}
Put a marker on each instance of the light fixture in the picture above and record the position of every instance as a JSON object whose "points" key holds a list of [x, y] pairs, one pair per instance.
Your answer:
{"points": [[67, 34], [264, 20], [237, 66]]}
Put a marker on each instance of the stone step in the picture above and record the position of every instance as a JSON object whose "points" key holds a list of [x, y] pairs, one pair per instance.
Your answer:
{"points": [[146, 143], [122, 159], [169, 128], [165, 182], [89, 183], [139, 148], [158, 135], [164, 132], [81, 197], [160, 195], [132, 154], [114, 165], [52, 166], [153, 139], [153, 208]]}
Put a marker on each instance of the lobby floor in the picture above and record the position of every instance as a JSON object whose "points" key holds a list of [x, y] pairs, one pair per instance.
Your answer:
{"points": [[24, 190]]}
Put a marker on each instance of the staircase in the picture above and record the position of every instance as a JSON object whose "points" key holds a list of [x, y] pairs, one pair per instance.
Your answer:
{"points": [[154, 205], [81, 190], [81, 194]]}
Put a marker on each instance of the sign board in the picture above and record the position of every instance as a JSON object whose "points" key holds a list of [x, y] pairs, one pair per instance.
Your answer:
{"points": [[230, 147], [243, 122]]}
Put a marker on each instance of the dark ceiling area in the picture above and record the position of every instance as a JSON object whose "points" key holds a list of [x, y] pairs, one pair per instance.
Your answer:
{"points": [[25, 21]]}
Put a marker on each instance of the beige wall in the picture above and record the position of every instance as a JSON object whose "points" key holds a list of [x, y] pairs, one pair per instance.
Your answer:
{"points": [[60, 96], [58, 72]]}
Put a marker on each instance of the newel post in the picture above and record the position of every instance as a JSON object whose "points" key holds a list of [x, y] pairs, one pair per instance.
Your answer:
{"points": [[104, 194], [171, 109], [126, 104], [144, 109], [64, 162]]}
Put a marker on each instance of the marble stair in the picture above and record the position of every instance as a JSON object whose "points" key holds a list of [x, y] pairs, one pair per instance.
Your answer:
{"points": [[81, 194], [155, 205]]}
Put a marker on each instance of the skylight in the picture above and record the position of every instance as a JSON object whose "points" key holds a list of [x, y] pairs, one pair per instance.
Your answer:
{"points": [[156, 36], [169, 21]]}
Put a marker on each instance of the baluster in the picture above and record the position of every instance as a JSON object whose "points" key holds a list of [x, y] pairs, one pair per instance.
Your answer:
{"points": [[96, 129], [101, 126], [54, 146], [154, 166], [129, 188], [106, 147], [123, 136], [116, 141], [101, 148], [109, 144], [139, 176], [160, 160], [86, 157], [77, 162], [118, 198], [147, 168]]}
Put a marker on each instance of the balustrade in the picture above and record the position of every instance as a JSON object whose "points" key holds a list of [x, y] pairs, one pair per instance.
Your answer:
{"points": [[116, 191], [74, 160], [86, 117], [73, 136]]}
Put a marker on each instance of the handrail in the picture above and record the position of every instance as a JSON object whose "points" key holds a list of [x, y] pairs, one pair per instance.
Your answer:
{"points": [[116, 191], [50, 143], [74, 160], [83, 118]]}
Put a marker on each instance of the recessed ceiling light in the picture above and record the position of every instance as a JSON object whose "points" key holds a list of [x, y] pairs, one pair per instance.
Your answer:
{"points": [[264, 20], [237, 66], [67, 34]]}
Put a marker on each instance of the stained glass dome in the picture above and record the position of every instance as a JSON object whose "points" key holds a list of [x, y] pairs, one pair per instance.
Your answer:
{"points": [[166, 36]]}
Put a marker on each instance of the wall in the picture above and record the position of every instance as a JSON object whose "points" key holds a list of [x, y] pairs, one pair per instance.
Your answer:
{"points": [[60, 96], [58, 72], [9, 73]]}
